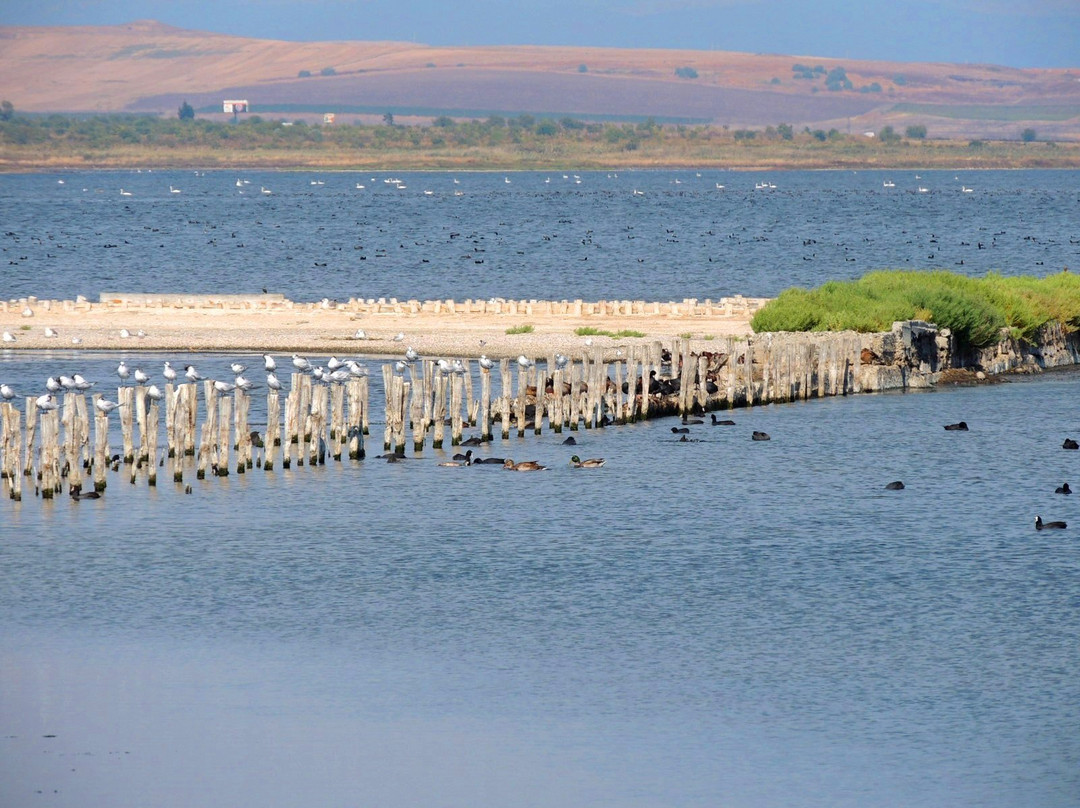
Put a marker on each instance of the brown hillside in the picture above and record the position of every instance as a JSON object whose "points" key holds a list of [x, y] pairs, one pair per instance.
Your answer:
{"points": [[149, 67]]}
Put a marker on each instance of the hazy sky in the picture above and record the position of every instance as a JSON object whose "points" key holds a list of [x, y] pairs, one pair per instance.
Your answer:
{"points": [[1017, 33]]}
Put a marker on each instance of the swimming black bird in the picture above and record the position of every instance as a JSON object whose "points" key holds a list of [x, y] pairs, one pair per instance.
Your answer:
{"points": [[760, 435], [467, 457], [895, 486], [1041, 525], [76, 494], [489, 461], [692, 421], [725, 422], [960, 427], [680, 431], [1063, 489], [473, 441], [570, 441], [1070, 444]]}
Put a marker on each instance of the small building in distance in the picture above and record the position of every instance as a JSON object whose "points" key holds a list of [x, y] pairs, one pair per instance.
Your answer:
{"points": [[328, 117]]}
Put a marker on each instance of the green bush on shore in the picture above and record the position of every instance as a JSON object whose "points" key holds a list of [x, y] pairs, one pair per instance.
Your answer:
{"points": [[975, 309]]}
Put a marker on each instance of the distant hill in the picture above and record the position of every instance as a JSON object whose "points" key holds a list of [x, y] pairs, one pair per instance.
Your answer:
{"points": [[148, 67]]}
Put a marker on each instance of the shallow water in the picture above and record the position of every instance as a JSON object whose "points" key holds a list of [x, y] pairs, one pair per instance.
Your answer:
{"points": [[713, 622], [539, 236]]}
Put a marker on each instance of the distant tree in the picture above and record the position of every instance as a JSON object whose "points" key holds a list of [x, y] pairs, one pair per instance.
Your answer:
{"points": [[1028, 135], [444, 122], [820, 134], [837, 80], [525, 120], [888, 135], [571, 124], [899, 80], [186, 112], [7, 110], [870, 88], [917, 132], [304, 74], [745, 134], [430, 64], [388, 118], [975, 145], [686, 72], [328, 71], [774, 80], [785, 131], [496, 121], [547, 127], [582, 68]]}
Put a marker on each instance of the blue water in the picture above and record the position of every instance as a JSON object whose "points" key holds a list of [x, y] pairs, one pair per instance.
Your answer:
{"points": [[717, 622], [529, 238]]}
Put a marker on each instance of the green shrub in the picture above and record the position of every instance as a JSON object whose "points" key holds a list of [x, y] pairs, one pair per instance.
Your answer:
{"points": [[975, 309], [520, 329]]}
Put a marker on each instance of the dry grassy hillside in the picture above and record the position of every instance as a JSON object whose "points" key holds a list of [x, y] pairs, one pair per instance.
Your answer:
{"points": [[149, 67]]}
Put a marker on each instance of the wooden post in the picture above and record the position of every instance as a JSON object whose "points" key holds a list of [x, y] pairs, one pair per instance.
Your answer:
{"points": [[388, 394], [519, 402], [438, 413], [223, 443], [150, 441], [457, 384], [170, 420], [337, 420], [207, 451], [176, 436], [12, 449], [485, 404], [470, 405], [272, 440], [416, 415], [243, 438], [507, 394], [355, 418], [49, 468]]}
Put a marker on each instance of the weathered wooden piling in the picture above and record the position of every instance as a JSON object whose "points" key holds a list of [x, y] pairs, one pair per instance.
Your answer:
{"points": [[456, 391], [208, 436], [222, 442], [11, 450], [272, 440], [151, 442], [438, 411], [357, 393], [507, 395], [125, 396], [337, 420], [49, 463]]}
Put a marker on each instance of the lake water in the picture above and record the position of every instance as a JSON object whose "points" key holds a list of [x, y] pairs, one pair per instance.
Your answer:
{"points": [[717, 622], [537, 236]]}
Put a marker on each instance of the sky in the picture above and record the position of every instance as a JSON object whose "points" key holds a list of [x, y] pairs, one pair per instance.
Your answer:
{"points": [[1014, 33]]}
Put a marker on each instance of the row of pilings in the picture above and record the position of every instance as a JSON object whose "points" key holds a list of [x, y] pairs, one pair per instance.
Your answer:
{"points": [[210, 434]]}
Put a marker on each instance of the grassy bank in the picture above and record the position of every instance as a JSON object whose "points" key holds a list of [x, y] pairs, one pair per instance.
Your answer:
{"points": [[975, 309], [129, 142]]}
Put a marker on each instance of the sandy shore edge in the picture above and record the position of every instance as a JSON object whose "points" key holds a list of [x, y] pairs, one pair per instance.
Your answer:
{"points": [[317, 328]]}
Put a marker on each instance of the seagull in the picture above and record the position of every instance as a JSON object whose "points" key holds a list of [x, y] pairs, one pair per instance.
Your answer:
{"points": [[46, 402], [360, 334], [301, 364], [269, 363], [106, 406], [399, 366], [169, 373], [411, 355], [192, 374], [237, 368], [49, 332], [244, 384], [76, 340], [224, 387], [124, 333], [399, 337], [318, 373], [52, 385], [140, 377], [444, 365], [588, 340], [81, 383], [560, 361], [334, 363], [525, 362], [28, 312], [355, 368], [459, 367], [140, 333], [153, 393], [8, 337], [6, 392], [272, 381], [340, 375], [67, 383], [486, 363]]}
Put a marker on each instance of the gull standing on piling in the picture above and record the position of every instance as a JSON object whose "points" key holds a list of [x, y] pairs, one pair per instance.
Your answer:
{"points": [[355, 368], [301, 364], [411, 355], [272, 381], [106, 406], [486, 363], [6, 392], [525, 362], [46, 402], [192, 374], [244, 384], [269, 364], [141, 377], [52, 385], [67, 383], [153, 393], [122, 371], [223, 387], [81, 383], [169, 372]]}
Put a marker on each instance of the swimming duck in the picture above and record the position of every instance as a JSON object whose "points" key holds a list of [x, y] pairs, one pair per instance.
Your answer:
{"points": [[489, 461], [725, 422], [570, 441], [1063, 489], [1070, 444], [895, 486], [760, 435], [592, 463], [960, 427], [680, 430], [1041, 525], [458, 463], [76, 494], [525, 465], [467, 457]]}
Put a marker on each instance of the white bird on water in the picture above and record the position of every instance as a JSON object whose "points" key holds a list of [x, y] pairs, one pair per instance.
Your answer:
{"points": [[237, 368]]}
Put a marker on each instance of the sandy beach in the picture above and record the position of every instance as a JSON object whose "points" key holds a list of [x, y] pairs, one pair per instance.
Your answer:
{"points": [[272, 324]]}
